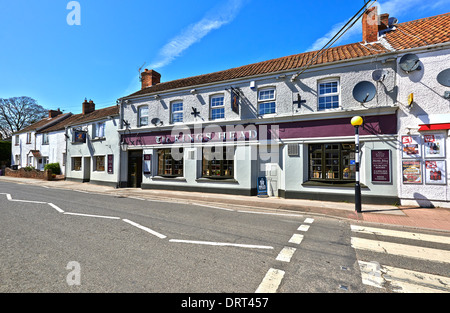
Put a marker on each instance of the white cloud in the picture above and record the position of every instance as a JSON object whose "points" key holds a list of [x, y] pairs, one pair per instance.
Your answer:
{"points": [[216, 18]]}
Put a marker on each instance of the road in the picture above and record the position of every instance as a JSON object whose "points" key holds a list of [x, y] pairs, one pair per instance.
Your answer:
{"points": [[67, 241]]}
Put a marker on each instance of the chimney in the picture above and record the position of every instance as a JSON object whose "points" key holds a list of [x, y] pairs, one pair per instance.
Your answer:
{"points": [[370, 23], [88, 107], [53, 113], [384, 21], [150, 78]]}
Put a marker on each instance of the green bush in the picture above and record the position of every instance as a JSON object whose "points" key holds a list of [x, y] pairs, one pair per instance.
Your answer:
{"points": [[29, 168], [54, 167]]}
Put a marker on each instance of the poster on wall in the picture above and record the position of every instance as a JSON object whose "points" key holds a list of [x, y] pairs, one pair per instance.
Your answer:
{"points": [[147, 164], [435, 172], [381, 166], [110, 164], [412, 172], [434, 145], [411, 146]]}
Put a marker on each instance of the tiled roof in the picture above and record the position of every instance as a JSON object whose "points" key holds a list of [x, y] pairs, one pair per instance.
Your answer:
{"points": [[85, 118], [41, 125], [422, 32]]}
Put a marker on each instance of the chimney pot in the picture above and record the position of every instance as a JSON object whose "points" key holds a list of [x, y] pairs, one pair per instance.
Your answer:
{"points": [[88, 107], [53, 113]]}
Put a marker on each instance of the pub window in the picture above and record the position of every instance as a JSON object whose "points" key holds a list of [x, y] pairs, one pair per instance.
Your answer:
{"points": [[266, 101], [177, 112], [99, 162], [332, 162], [170, 165], [76, 164], [328, 94], [218, 166], [143, 116], [217, 108]]}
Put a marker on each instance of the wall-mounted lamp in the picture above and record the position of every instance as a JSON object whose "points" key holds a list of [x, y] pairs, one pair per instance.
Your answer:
{"points": [[156, 97], [194, 91]]}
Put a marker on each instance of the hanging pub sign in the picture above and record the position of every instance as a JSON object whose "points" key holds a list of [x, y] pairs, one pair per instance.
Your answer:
{"points": [[79, 136], [235, 100], [381, 166], [434, 145], [435, 172], [412, 172], [147, 164], [411, 146]]}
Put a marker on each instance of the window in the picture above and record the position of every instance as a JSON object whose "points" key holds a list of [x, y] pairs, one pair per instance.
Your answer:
{"points": [[332, 162], [44, 161], [169, 165], [328, 95], [266, 101], [143, 116], [99, 130], [217, 107], [99, 163], [16, 141], [17, 159], [30, 160], [177, 112], [76, 164], [218, 167], [64, 159], [45, 138], [28, 138]]}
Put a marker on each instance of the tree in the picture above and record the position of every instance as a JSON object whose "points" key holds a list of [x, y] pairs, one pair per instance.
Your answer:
{"points": [[17, 113]]}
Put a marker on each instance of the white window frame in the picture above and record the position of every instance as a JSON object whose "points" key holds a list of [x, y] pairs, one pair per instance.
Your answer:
{"points": [[174, 114], [329, 94], [142, 117], [216, 107], [28, 138], [45, 138], [97, 127], [266, 99]]}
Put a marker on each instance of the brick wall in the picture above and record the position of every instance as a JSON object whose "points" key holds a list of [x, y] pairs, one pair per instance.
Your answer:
{"points": [[45, 175]]}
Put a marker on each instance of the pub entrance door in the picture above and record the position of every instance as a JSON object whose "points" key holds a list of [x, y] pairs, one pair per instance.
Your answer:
{"points": [[135, 168]]}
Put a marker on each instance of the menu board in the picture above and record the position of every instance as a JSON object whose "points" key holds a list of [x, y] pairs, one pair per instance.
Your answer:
{"points": [[412, 172], [434, 145], [435, 172], [411, 146], [381, 166]]}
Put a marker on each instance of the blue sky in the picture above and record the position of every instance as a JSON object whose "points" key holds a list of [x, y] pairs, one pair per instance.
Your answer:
{"points": [[60, 65]]}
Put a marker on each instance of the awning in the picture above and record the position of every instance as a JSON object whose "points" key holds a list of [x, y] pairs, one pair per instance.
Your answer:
{"points": [[36, 153], [440, 126]]}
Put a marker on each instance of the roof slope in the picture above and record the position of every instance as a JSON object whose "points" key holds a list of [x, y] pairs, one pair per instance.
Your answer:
{"points": [[418, 33], [44, 123]]}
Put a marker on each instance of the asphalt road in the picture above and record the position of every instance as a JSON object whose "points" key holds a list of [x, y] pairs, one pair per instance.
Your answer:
{"points": [[81, 242]]}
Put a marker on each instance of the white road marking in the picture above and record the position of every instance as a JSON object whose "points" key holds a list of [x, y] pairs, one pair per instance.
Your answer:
{"points": [[214, 243], [402, 280], [268, 213], [271, 281], [400, 234], [286, 254], [8, 196], [145, 229], [429, 254], [296, 238], [91, 215], [303, 228], [309, 220], [56, 208]]}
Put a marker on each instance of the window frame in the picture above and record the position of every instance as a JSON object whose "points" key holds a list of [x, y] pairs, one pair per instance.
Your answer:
{"points": [[45, 139], [96, 129], [215, 108], [28, 138], [329, 94], [73, 168], [326, 174], [141, 116], [176, 113], [96, 163], [263, 101], [223, 164], [166, 154]]}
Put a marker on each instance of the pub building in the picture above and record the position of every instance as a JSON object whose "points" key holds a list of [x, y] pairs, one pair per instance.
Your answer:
{"points": [[283, 120]]}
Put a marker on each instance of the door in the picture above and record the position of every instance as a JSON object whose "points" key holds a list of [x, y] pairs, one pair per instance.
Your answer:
{"points": [[269, 168], [86, 169], [135, 168]]}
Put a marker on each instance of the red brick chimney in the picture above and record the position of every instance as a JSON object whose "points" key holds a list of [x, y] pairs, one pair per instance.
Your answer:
{"points": [[370, 23], [88, 107], [53, 113], [150, 78]]}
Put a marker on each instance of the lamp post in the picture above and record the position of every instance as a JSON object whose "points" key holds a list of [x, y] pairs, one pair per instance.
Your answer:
{"points": [[356, 122]]}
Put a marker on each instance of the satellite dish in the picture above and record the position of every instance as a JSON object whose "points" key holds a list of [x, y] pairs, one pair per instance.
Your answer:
{"points": [[444, 77], [155, 121], [410, 62], [364, 91], [379, 75], [392, 21]]}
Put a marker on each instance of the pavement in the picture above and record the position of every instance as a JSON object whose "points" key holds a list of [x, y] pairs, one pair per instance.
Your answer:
{"points": [[437, 219]]}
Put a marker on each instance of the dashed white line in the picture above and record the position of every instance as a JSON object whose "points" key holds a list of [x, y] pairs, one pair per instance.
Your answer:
{"points": [[145, 229], [309, 220], [92, 215], [213, 243], [303, 228], [271, 281], [286, 254], [296, 238]]}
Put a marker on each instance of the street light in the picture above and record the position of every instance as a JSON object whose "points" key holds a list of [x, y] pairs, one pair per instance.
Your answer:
{"points": [[356, 122]]}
